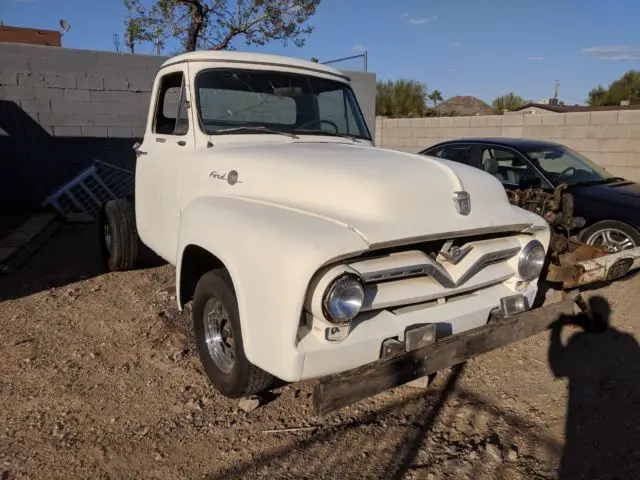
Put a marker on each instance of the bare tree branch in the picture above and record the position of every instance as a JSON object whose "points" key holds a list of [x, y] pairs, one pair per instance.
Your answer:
{"points": [[216, 25]]}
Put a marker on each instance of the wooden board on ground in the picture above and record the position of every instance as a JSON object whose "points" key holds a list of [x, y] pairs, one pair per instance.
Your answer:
{"points": [[23, 242]]}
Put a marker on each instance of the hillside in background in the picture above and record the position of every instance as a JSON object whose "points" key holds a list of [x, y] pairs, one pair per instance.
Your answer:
{"points": [[464, 106]]}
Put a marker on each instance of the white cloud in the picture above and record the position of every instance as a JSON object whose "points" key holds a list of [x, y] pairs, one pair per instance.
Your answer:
{"points": [[421, 21], [614, 52], [405, 14], [358, 48], [451, 70], [535, 59]]}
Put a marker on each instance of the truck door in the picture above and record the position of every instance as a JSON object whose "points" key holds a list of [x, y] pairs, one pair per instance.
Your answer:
{"points": [[168, 138]]}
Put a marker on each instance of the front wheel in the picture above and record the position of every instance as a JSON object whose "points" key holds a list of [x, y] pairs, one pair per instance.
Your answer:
{"points": [[611, 235], [216, 323]]}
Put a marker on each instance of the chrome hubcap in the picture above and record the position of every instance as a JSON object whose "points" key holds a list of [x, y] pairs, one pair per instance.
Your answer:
{"points": [[612, 240], [218, 335]]}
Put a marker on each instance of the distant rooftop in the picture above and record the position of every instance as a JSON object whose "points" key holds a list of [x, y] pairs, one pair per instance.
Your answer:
{"points": [[575, 108], [31, 36]]}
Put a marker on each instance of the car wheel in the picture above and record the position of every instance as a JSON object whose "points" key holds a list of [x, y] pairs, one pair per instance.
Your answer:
{"points": [[216, 323], [119, 242], [611, 235]]}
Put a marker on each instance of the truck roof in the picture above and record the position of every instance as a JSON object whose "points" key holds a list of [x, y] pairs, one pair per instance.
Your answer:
{"points": [[262, 59]]}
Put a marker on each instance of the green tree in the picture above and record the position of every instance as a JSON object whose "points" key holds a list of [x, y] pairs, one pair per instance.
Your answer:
{"points": [[215, 24], [626, 87], [401, 98], [435, 97], [510, 101]]}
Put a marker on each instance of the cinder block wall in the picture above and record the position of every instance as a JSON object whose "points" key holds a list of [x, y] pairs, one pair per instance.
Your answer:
{"points": [[610, 138], [61, 108]]}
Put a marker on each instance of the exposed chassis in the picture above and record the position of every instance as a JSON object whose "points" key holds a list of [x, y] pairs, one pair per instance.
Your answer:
{"points": [[571, 262], [336, 391]]}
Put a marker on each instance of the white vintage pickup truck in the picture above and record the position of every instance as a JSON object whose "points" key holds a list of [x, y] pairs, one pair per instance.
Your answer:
{"points": [[307, 252]]}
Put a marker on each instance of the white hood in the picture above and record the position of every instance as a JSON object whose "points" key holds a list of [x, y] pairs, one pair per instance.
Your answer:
{"points": [[384, 195]]}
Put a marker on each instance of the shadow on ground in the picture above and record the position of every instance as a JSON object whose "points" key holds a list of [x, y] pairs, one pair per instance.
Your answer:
{"points": [[450, 432], [70, 255]]}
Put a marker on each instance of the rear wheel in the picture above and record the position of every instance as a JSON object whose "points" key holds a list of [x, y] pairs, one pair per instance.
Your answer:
{"points": [[216, 323], [119, 240], [611, 235]]}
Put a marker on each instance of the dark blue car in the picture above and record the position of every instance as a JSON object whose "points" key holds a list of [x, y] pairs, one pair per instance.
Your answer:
{"points": [[610, 205]]}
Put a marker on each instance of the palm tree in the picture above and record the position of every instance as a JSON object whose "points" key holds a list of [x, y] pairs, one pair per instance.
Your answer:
{"points": [[510, 101], [435, 97]]}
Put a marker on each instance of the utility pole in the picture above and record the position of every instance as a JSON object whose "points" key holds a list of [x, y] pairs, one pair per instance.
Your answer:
{"points": [[116, 42]]}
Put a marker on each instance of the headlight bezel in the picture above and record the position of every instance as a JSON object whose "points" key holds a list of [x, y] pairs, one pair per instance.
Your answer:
{"points": [[342, 281], [524, 263]]}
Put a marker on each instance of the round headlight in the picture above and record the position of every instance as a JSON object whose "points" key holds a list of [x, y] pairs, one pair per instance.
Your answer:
{"points": [[343, 299], [531, 260]]}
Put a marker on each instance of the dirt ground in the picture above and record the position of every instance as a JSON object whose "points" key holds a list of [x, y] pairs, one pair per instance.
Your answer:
{"points": [[100, 379]]}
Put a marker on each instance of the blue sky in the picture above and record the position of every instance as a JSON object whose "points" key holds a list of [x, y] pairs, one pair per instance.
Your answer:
{"points": [[482, 48]]}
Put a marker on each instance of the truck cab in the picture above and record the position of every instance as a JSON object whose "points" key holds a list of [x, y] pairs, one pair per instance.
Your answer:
{"points": [[305, 250]]}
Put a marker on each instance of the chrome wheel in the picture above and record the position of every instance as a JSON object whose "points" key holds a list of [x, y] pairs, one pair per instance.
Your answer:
{"points": [[612, 240], [106, 232], [218, 335]]}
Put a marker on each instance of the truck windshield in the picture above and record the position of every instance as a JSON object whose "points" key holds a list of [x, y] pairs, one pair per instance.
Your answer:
{"points": [[276, 102]]}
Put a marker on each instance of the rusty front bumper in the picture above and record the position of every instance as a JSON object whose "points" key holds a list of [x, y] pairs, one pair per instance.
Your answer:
{"points": [[342, 389], [586, 265]]}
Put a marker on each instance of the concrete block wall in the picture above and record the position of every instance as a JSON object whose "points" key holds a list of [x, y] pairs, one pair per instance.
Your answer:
{"points": [[610, 139], [62, 108]]}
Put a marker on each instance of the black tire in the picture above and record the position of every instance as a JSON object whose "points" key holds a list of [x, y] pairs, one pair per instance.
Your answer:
{"points": [[628, 230], [244, 378], [119, 220]]}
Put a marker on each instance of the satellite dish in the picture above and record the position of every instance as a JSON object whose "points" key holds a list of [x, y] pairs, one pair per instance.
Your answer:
{"points": [[64, 25]]}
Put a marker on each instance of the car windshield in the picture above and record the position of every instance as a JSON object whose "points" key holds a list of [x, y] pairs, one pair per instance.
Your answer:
{"points": [[251, 101], [563, 165]]}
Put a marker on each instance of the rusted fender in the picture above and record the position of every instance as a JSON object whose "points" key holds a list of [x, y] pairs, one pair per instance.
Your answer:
{"points": [[602, 269]]}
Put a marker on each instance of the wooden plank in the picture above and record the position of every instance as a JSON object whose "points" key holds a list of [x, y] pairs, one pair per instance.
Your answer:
{"points": [[28, 230], [12, 257], [339, 390]]}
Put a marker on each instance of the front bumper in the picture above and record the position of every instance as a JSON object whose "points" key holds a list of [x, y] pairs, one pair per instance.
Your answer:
{"points": [[363, 345], [339, 390]]}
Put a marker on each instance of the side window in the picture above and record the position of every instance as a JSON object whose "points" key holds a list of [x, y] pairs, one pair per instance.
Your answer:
{"points": [[506, 165], [456, 153], [333, 108], [171, 107]]}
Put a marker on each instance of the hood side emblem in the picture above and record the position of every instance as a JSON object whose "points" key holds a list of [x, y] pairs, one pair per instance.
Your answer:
{"points": [[462, 201], [231, 176]]}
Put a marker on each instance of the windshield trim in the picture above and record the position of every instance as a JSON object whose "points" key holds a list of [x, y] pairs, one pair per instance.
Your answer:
{"points": [[353, 101]]}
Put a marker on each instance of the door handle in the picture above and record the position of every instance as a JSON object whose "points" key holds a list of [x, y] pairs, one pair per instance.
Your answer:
{"points": [[182, 143]]}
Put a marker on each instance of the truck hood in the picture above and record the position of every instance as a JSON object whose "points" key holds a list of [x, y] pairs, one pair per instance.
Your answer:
{"points": [[385, 196]]}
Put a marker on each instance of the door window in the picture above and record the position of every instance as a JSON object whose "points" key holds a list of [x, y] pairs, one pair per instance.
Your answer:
{"points": [[460, 153], [171, 108], [506, 165]]}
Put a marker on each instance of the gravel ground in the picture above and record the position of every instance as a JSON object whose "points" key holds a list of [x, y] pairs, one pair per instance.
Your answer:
{"points": [[100, 379]]}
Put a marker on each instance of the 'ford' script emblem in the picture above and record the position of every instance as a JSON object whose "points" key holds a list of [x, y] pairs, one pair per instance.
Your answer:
{"points": [[231, 176], [462, 201]]}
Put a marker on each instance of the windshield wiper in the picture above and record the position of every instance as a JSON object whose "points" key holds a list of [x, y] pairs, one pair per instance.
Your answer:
{"points": [[353, 138], [254, 130]]}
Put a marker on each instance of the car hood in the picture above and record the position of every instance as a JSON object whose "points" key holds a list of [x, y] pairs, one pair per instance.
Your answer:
{"points": [[623, 192], [383, 195]]}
